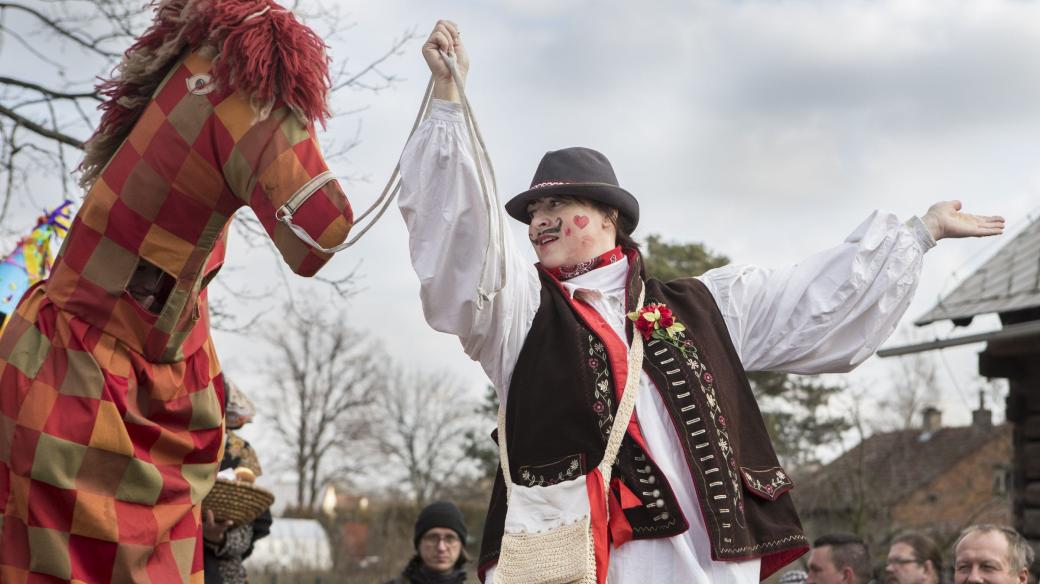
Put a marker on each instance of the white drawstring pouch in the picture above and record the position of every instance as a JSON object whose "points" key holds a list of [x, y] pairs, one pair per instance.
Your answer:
{"points": [[548, 530], [548, 536]]}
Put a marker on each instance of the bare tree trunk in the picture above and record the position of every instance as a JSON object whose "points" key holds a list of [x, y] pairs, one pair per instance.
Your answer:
{"points": [[325, 379], [423, 420]]}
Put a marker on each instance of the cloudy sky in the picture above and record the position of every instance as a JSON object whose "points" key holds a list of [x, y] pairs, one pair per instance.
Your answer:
{"points": [[766, 129]]}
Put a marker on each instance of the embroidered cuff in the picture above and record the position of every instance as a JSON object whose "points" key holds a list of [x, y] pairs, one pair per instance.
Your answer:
{"points": [[768, 483], [448, 111], [921, 233]]}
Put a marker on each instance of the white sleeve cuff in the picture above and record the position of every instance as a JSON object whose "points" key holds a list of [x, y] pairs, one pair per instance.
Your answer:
{"points": [[921, 233], [448, 111]]}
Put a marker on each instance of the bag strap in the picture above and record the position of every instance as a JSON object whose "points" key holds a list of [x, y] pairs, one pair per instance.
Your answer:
{"points": [[621, 419], [393, 187]]}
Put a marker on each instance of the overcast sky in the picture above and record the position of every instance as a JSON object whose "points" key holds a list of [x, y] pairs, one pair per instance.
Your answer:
{"points": [[765, 129]]}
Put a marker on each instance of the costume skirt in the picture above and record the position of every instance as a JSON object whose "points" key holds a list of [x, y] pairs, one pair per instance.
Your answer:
{"points": [[104, 456]]}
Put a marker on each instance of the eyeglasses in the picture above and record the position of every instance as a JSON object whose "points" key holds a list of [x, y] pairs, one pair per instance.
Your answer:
{"points": [[901, 561], [434, 540]]}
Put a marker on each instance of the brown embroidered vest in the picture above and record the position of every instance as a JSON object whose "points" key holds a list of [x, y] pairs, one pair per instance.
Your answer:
{"points": [[562, 400]]}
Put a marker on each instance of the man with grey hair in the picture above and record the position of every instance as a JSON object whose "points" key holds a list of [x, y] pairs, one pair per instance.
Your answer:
{"points": [[991, 554], [839, 558]]}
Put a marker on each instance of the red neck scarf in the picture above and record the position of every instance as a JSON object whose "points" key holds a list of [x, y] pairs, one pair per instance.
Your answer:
{"points": [[567, 272]]}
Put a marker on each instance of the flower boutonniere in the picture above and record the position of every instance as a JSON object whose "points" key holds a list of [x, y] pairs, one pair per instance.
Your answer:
{"points": [[655, 321]]}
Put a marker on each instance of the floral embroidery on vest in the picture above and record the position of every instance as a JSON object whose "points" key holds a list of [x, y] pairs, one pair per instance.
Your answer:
{"points": [[771, 483], [543, 475], [706, 381], [603, 395]]}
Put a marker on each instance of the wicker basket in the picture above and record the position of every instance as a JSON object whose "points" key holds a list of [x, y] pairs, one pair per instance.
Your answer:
{"points": [[238, 501]]}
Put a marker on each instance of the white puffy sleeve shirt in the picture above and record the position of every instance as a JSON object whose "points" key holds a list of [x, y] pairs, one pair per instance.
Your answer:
{"points": [[825, 314]]}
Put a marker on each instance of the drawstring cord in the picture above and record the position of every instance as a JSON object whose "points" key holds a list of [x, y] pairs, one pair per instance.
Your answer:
{"points": [[491, 201]]}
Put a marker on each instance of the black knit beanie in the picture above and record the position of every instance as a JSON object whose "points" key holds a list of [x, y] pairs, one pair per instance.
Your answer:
{"points": [[440, 514]]}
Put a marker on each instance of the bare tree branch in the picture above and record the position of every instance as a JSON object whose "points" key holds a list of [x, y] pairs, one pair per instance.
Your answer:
{"points": [[30, 47], [88, 44], [48, 92], [326, 377], [12, 151], [38, 129], [395, 49], [422, 420]]}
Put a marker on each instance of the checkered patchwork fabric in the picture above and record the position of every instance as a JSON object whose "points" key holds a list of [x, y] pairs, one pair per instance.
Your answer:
{"points": [[196, 155], [110, 415], [104, 456]]}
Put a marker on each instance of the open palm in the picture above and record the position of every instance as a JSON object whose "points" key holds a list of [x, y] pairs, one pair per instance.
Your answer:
{"points": [[944, 219]]}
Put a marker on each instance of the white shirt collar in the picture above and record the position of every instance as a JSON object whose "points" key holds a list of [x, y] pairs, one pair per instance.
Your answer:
{"points": [[605, 280]]}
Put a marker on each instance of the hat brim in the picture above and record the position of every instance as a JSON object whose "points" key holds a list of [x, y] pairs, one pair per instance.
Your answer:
{"points": [[608, 194]]}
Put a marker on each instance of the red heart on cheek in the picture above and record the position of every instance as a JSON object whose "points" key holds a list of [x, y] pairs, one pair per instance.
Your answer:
{"points": [[581, 221]]}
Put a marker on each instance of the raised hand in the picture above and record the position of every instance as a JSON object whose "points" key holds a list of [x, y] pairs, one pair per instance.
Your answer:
{"points": [[445, 37], [944, 219]]}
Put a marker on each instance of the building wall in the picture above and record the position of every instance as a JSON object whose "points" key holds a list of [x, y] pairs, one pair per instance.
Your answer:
{"points": [[1018, 361], [962, 495], [1024, 402]]}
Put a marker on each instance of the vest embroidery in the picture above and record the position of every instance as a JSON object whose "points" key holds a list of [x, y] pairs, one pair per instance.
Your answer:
{"points": [[770, 483], [706, 382], [603, 394], [544, 475]]}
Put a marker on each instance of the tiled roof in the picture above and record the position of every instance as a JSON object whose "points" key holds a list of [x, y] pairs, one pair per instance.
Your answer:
{"points": [[1009, 281], [890, 465]]}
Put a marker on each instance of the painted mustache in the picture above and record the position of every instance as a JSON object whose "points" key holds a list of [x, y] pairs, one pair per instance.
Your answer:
{"points": [[554, 231]]}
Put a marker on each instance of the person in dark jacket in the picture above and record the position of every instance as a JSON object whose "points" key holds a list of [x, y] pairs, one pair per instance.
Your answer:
{"points": [[440, 547]]}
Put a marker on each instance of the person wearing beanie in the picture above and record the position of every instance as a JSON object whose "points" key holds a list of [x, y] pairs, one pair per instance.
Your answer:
{"points": [[440, 547], [696, 492]]}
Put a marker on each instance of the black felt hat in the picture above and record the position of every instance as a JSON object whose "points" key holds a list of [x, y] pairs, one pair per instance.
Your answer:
{"points": [[577, 172]]}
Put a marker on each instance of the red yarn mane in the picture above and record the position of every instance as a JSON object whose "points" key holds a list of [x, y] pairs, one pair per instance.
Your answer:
{"points": [[261, 50]]}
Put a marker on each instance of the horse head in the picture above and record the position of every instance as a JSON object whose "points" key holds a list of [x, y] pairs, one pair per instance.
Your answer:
{"points": [[214, 108]]}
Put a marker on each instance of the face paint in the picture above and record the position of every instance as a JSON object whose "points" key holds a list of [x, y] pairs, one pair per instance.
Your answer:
{"points": [[555, 244], [548, 235]]}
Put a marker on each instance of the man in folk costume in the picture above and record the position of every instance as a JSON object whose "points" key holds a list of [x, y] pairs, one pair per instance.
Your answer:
{"points": [[110, 390], [697, 494]]}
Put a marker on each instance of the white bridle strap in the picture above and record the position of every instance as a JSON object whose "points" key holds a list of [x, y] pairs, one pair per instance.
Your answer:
{"points": [[393, 187]]}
